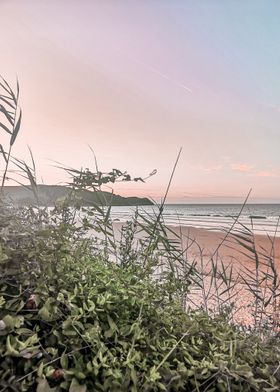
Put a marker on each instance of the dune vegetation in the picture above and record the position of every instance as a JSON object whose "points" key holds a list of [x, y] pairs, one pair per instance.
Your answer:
{"points": [[82, 310]]}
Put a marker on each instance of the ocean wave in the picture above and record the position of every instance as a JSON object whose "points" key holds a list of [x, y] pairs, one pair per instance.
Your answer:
{"points": [[199, 214]]}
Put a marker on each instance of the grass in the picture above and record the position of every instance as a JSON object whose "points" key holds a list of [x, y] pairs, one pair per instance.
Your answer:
{"points": [[11, 122], [92, 312]]}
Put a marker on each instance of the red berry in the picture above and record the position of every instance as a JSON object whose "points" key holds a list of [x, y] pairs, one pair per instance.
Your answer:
{"points": [[58, 374]]}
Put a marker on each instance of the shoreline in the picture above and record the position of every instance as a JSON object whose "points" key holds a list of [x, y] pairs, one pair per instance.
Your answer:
{"points": [[205, 242]]}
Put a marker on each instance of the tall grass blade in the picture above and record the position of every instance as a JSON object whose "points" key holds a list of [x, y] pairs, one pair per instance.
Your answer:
{"points": [[16, 129], [5, 128]]}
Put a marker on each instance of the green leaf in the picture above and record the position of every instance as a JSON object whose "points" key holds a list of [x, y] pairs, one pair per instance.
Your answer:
{"points": [[76, 387], [10, 349], [112, 324], [40, 369], [44, 314], [154, 375], [43, 386], [3, 256], [64, 361], [2, 301], [13, 322]]}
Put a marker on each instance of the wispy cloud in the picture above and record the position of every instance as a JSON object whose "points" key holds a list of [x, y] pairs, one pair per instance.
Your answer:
{"points": [[210, 168], [252, 171], [242, 167], [266, 173]]}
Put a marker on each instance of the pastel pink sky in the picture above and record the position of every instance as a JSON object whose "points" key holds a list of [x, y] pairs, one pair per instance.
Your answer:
{"points": [[137, 80]]}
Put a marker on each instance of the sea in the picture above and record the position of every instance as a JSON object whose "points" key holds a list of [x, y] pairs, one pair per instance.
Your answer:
{"points": [[259, 218]]}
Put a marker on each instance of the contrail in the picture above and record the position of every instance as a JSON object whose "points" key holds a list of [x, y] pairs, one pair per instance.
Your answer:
{"points": [[158, 72]]}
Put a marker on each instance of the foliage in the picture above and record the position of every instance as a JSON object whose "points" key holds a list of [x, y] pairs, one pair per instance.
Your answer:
{"points": [[70, 321], [84, 179]]}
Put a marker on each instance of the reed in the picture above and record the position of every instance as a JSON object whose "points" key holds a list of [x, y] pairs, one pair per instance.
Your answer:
{"points": [[11, 120]]}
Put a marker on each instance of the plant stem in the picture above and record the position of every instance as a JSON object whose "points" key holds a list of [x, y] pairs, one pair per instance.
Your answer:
{"points": [[6, 169]]}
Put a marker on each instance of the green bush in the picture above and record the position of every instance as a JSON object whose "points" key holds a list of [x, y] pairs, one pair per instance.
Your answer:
{"points": [[70, 321]]}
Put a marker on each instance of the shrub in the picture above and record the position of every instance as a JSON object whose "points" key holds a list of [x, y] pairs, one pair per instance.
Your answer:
{"points": [[70, 321]]}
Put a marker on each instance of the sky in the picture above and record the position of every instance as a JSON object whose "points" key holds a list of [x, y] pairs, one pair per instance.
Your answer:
{"points": [[136, 81]]}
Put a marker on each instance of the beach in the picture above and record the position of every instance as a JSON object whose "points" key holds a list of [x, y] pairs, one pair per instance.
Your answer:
{"points": [[205, 243], [206, 248], [208, 243]]}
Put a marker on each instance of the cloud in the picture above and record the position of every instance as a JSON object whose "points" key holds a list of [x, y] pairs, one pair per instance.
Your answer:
{"points": [[266, 173], [252, 171], [242, 167], [209, 168], [213, 168]]}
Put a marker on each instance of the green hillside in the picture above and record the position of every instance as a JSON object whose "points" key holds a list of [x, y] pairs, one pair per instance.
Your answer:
{"points": [[49, 194]]}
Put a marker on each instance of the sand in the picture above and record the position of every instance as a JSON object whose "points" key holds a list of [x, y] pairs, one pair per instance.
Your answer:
{"points": [[203, 246], [209, 242]]}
